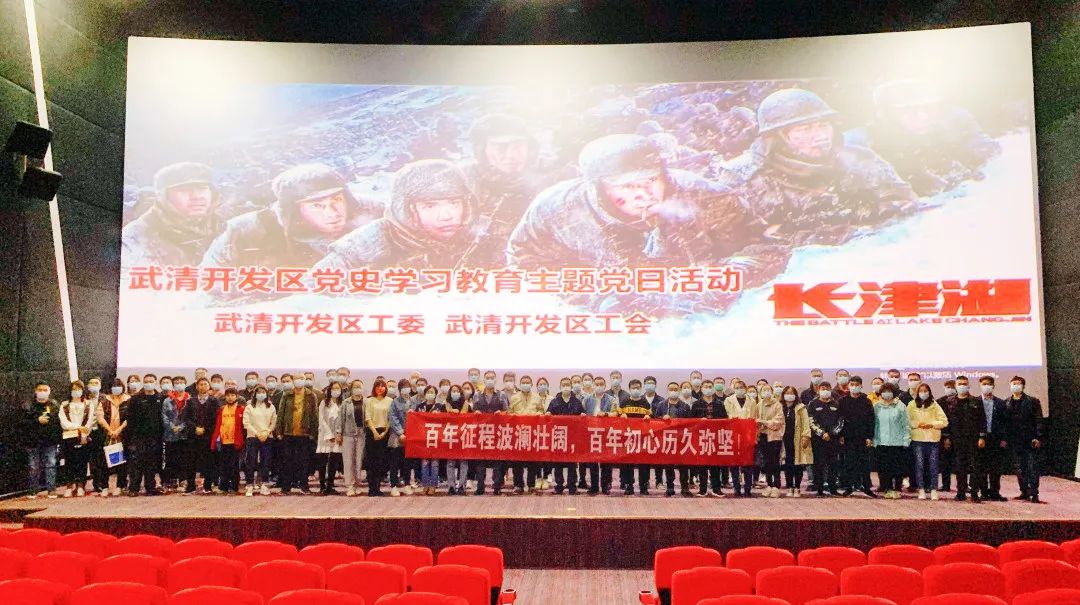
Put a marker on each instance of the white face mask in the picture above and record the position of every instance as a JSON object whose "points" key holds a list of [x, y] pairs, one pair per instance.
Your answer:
{"points": [[286, 386], [335, 392], [1016, 388], [117, 390], [740, 392], [41, 396], [843, 379], [962, 389], [429, 396], [751, 395], [271, 385], [887, 395], [875, 388], [789, 397], [76, 394], [855, 389], [913, 384], [565, 391], [815, 380], [260, 396], [949, 391], [358, 392], [777, 391], [987, 389], [695, 382], [824, 393], [924, 395], [672, 394]]}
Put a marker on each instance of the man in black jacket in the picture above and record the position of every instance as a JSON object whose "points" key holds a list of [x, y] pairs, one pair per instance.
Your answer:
{"points": [[145, 432], [1027, 437], [638, 407], [966, 437], [826, 427], [39, 432], [810, 393], [711, 405], [566, 403], [858, 415], [203, 409], [994, 458], [945, 455]]}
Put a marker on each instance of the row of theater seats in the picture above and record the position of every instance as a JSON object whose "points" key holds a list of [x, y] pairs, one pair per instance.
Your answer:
{"points": [[899, 574], [1051, 596], [263, 569]]}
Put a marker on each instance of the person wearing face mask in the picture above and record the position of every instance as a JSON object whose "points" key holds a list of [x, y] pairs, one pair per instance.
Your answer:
{"points": [[444, 390], [95, 399], [76, 419], [525, 402], [723, 391], [637, 407], [251, 382], [228, 441], [892, 435], [696, 381], [177, 426], [566, 403], [678, 406], [457, 471], [1027, 436], [475, 378], [590, 401], [711, 405], [217, 386], [615, 389], [429, 468], [353, 436], [840, 390], [377, 429], [796, 451], [271, 386], [655, 401], [826, 427], [948, 404], [914, 379], [111, 418], [285, 389], [742, 403], [260, 420], [875, 390], [893, 377], [927, 419], [810, 393], [490, 401], [543, 391], [994, 459], [771, 420], [297, 425], [204, 407], [40, 432], [145, 428], [763, 389], [329, 440], [966, 437], [858, 415], [395, 443], [134, 385], [199, 374]]}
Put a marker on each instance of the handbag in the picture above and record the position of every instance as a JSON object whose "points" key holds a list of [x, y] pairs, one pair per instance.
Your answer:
{"points": [[114, 454]]}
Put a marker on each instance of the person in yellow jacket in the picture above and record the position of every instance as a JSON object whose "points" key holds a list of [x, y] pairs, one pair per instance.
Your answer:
{"points": [[743, 403], [926, 419]]}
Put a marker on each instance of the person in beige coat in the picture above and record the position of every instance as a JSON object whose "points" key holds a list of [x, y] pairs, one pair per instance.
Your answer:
{"points": [[742, 404], [771, 421], [796, 451]]}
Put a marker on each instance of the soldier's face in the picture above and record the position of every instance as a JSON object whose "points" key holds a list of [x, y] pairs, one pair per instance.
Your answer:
{"points": [[636, 198], [440, 218], [810, 140], [326, 215], [191, 201], [508, 157]]}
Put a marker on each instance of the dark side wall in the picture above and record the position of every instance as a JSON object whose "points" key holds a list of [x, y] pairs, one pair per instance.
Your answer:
{"points": [[83, 45]]}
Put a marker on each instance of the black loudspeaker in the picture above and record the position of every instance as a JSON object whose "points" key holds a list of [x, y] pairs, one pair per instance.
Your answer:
{"points": [[39, 183], [29, 139]]}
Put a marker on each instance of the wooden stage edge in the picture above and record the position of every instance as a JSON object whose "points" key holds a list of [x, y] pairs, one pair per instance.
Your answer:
{"points": [[573, 532]]}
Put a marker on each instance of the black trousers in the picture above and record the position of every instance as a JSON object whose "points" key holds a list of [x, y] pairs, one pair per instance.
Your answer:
{"points": [[594, 477], [684, 478], [204, 462], [826, 465], [945, 466], [856, 473], [626, 476], [144, 465], [770, 457], [525, 474], [229, 467], [892, 462], [710, 477], [565, 475], [498, 474], [177, 461], [294, 466], [76, 456], [329, 466], [375, 458]]}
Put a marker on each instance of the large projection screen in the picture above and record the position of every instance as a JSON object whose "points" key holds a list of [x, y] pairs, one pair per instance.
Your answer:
{"points": [[864, 202]]}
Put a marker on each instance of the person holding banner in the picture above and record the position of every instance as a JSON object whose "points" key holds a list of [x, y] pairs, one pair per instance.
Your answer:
{"points": [[490, 401], [678, 406], [543, 390], [742, 404], [635, 407], [796, 451], [525, 402], [457, 470], [709, 406], [429, 469], [566, 403], [112, 418]]}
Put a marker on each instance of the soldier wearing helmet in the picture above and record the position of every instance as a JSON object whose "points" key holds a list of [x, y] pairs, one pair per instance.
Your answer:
{"points": [[803, 183], [313, 207], [931, 146], [504, 179], [180, 224], [428, 224]]}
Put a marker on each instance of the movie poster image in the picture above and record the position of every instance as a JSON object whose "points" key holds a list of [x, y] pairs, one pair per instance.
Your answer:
{"points": [[750, 223]]}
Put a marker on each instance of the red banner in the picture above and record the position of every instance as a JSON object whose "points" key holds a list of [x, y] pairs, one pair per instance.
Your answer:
{"points": [[681, 442]]}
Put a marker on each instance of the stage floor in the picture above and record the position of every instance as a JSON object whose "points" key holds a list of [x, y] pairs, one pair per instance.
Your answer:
{"points": [[572, 532]]}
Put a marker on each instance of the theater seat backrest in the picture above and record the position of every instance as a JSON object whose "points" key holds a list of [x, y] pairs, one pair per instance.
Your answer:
{"points": [[1033, 575], [797, 585], [756, 558], [901, 585], [969, 578], [689, 586]]}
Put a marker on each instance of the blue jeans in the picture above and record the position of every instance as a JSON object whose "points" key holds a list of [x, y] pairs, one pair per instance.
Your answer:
{"points": [[42, 458], [456, 473], [258, 459], [429, 473], [926, 450]]}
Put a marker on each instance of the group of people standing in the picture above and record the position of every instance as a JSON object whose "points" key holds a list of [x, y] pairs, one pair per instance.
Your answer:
{"points": [[280, 430]]}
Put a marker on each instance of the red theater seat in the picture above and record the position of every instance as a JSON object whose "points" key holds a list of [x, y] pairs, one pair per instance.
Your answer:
{"points": [[204, 571], [72, 568], [743, 600], [406, 555], [1033, 575], [1030, 549], [959, 599], [261, 551], [966, 552], [667, 561], [487, 558], [834, 558], [275, 577], [797, 585], [1072, 551], [368, 579], [901, 585], [969, 578], [215, 595], [903, 555], [1050, 596], [420, 598], [689, 586], [315, 596], [469, 583], [329, 555], [119, 593], [851, 600], [30, 591], [199, 547], [94, 543], [756, 558], [145, 544], [32, 540], [13, 563], [134, 567]]}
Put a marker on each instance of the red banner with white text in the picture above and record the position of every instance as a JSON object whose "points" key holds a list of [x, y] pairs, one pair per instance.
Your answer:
{"points": [[682, 442]]}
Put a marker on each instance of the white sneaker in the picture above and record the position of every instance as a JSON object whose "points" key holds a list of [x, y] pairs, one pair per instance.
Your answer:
{"points": [[906, 483], [67, 493], [394, 492], [350, 492], [264, 490], [52, 496], [116, 491], [791, 492], [104, 493], [922, 495], [249, 491], [934, 495], [538, 484], [797, 494], [80, 492], [407, 490]]}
